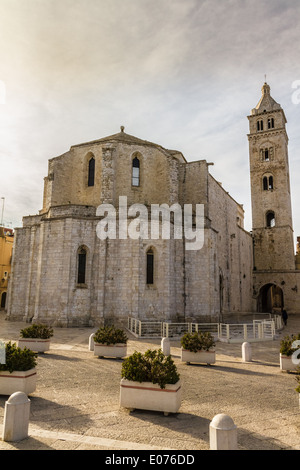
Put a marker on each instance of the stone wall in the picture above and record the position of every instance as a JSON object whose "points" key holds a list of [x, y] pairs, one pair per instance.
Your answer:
{"points": [[45, 284], [233, 250], [66, 182]]}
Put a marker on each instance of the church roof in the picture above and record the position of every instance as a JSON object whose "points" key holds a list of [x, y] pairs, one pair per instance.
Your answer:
{"points": [[119, 137], [131, 140]]}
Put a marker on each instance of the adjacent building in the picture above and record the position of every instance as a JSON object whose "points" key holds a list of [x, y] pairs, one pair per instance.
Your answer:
{"points": [[6, 246]]}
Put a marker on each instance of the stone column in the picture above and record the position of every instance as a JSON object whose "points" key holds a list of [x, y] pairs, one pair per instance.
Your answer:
{"points": [[32, 238], [91, 342], [16, 417], [222, 433], [40, 260], [246, 352], [108, 176], [165, 346]]}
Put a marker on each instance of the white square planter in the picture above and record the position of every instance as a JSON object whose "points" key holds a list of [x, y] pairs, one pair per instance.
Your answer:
{"points": [[17, 381], [35, 344], [149, 396], [110, 350], [204, 357], [286, 363]]}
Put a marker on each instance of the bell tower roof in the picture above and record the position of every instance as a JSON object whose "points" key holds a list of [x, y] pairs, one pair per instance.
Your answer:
{"points": [[266, 102]]}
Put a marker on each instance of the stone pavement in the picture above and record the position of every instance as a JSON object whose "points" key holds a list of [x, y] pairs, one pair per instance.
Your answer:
{"points": [[76, 403]]}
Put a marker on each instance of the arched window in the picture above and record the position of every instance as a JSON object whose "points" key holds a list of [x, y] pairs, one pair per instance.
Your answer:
{"points": [[271, 186], [81, 266], [150, 267], [271, 123], [260, 125], [265, 183], [91, 172], [135, 172], [270, 219], [266, 155], [268, 183]]}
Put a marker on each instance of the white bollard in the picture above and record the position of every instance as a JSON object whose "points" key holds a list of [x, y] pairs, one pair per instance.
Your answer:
{"points": [[16, 417], [165, 346], [246, 352], [222, 433], [91, 342]]}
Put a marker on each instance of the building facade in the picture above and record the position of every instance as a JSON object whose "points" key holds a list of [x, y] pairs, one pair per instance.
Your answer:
{"points": [[6, 246], [64, 273]]}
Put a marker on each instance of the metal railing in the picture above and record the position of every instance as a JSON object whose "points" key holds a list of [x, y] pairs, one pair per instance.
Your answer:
{"points": [[146, 329], [257, 330]]}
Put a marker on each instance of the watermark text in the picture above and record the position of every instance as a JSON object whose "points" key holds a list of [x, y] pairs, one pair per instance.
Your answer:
{"points": [[296, 94], [165, 222]]}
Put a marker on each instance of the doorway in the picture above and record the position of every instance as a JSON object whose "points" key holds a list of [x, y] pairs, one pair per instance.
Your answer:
{"points": [[3, 300], [270, 299]]}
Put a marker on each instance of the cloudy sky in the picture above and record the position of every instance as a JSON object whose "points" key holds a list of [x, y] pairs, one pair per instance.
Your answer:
{"points": [[181, 73]]}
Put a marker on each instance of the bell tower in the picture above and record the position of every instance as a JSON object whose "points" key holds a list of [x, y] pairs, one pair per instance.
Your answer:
{"points": [[272, 225]]}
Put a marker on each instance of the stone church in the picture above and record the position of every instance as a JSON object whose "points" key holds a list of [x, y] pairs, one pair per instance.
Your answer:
{"points": [[64, 274]]}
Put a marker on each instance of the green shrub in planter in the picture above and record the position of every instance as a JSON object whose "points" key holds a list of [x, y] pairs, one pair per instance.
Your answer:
{"points": [[110, 335], [152, 366], [198, 341], [37, 331], [17, 359], [286, 348]]}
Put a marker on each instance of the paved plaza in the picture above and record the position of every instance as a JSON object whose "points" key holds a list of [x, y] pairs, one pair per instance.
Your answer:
{"points": [[76, 403]]}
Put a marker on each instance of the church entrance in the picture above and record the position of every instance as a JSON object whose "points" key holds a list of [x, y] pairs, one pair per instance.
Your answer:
{"points": [[270, 299]]}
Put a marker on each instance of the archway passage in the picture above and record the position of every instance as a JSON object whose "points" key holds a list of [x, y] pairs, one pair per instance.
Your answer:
{"points": [[270, 299]]}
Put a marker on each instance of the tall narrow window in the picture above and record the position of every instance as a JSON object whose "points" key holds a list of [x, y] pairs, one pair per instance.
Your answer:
{"points": [[265, 183], [260, 125], [270, 219], [271, 123], [150, 266], [91, 172], [271, 182], [81, 266], [268, 183], [135, 172], [266, 156]]}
